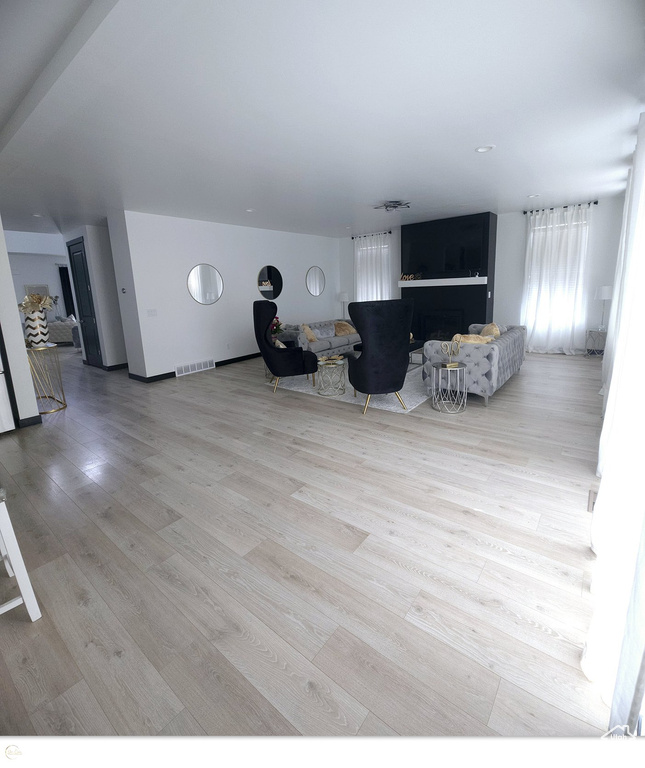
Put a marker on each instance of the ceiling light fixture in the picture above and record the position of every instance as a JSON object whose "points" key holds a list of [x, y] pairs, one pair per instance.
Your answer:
{"points": [[37, 215], [392, 205], [250, 210], [485, 148], [532, 195]]}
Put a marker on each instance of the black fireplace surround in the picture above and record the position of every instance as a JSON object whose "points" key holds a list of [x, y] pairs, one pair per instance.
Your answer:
{"points": [[453, 249]]}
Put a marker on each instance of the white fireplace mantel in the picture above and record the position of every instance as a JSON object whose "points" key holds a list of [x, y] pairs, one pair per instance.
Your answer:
{"points": [[443, 281]]}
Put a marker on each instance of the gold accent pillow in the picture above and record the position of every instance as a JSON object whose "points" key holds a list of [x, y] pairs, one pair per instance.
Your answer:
{"points": [[472, 338], [279, 344], [492, 329], [311, 336], [343, 329]]}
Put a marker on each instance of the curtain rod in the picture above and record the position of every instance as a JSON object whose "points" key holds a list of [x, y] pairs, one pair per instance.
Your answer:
{"points": [[356, 237], [591, 202]]}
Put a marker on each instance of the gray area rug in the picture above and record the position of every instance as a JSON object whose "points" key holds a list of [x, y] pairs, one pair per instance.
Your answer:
{"points": [[413, 393]]}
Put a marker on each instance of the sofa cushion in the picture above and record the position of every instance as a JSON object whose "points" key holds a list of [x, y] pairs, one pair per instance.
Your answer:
{"points": [[324, 331], [492, 329], [344, 329], [311, 336], [319, 346], [472, 338]]}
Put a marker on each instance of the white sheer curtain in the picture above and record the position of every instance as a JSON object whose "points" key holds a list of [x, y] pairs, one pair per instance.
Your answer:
{"points": [[373, 267], [614, 654], [554, 302]]}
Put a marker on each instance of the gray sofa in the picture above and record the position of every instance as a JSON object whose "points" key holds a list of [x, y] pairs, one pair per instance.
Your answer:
{"points": [[327, 342], [488, 366]]}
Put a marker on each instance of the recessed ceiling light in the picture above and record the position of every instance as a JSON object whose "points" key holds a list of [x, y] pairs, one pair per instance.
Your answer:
{"points": [[486, 148], [250, 210], [532, 195], [37, 215]]}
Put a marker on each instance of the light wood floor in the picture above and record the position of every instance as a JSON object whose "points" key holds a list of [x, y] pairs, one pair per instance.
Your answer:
{"points": [[211, 558]]}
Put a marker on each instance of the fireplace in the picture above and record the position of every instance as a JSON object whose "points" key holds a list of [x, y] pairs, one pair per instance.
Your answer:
{"points": [[443, 324]]}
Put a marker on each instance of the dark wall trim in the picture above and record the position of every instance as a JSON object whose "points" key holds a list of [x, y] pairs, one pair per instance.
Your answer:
{"points": [[118, 367], [29, 422], [151, 379], [237, 359]]}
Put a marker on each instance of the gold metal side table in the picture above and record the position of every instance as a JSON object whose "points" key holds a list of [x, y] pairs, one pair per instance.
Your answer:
{"points": [[331, 377], [46, 375]]}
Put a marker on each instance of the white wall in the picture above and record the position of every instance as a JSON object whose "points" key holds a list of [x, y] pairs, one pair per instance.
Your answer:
{"points": [[174, 328], [604, 238], [509, 268], [14, 339], [98, 253], [31, 269], [35, 242]]}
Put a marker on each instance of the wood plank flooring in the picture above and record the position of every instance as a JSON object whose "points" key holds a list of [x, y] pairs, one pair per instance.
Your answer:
{"points": [[214, 559]]}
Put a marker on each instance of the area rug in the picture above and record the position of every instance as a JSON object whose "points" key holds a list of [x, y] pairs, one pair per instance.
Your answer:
{"points": [[413, 393]]}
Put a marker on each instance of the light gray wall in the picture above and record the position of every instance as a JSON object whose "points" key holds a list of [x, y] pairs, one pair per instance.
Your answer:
{"points": [[602, 253], [153, 257], [33, 268]]}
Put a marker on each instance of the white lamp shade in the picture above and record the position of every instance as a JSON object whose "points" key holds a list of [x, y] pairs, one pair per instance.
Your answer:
{"points": [[343, 297], [604, 292]]}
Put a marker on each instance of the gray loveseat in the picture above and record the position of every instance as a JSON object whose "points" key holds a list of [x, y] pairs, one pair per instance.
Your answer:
{"points": [[327, 343], [488, 366]]}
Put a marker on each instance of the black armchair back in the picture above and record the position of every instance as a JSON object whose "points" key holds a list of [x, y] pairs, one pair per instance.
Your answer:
{"points": [[384, 328], [281, 362]]}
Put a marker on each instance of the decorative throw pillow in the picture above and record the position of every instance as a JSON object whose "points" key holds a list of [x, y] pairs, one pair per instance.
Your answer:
{"points": [[343, 329], [492, 329], [311, 336], [279, 344], [324, 331], [472, 338]]}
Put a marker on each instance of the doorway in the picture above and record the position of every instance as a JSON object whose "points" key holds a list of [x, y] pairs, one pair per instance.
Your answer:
{"points": [[83, 290]]}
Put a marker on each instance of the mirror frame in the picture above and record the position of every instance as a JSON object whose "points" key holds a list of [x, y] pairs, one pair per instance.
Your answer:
{"points": [[324, 280], [191, 294], [270, 293]]}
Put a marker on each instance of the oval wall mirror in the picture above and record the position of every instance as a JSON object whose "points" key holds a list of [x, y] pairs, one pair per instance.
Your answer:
{"points": [[270, 282], [315, 281], [205, 284]]}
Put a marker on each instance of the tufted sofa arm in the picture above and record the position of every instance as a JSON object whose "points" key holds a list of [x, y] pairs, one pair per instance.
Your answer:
{"points": [[488, 366]]}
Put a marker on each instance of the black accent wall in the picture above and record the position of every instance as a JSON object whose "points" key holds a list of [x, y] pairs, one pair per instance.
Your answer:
{"points": [[455, 248]]}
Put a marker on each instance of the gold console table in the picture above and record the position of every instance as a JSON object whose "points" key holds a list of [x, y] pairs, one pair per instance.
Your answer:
{"points": [[48, 382]]}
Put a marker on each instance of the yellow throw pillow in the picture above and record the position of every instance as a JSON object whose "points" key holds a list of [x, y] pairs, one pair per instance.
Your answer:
{"points": [[492, 329], [311, 336], [472, 338], [343, 329], [279, 344]]}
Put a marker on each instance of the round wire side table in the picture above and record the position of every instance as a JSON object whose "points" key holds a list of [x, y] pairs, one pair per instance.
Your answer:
{"points": [[46, 375], [331, 377], [448, 388]]}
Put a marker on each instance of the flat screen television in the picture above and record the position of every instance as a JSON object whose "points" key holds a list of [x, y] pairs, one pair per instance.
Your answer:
{"points": [[444, 248]]}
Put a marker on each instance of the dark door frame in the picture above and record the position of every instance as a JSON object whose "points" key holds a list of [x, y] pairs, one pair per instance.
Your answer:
{"points": [[84, 301]]}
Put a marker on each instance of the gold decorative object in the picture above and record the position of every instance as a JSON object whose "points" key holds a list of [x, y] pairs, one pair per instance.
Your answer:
{"points": [[450, 348]]}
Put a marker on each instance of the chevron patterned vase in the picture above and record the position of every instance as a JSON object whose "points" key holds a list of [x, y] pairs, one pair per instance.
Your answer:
{"points": [[36, 330]]}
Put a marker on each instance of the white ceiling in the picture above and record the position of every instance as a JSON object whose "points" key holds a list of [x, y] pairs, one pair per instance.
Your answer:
{"points": [[312, 113]]}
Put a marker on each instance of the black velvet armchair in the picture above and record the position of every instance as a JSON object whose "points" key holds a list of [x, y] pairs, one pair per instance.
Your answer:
{"points": [[281, 362], [384, 328]]}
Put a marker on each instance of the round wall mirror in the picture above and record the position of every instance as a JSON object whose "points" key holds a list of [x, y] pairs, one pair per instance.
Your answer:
{"points": [[205, 284], [315, 281], [270, 282]]}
